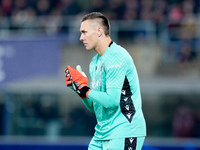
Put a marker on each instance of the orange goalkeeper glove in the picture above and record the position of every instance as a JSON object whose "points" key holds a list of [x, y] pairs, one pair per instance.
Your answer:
{"points": [[77, 81]]}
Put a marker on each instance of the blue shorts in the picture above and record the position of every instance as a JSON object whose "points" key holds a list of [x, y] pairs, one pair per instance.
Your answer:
{"points": [[134, 143]]}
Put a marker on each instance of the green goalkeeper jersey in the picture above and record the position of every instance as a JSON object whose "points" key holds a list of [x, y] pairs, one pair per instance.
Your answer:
{"points": [[116, 99]]}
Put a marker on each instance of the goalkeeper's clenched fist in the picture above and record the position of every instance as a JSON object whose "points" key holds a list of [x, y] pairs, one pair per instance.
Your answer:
{"points": [[77, 81]]}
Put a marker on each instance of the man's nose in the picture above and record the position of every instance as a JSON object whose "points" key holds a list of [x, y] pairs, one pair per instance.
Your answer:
{"points": [[81, 38]]}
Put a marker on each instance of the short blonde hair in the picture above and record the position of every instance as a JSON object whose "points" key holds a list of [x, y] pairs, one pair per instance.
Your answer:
{"points": [[103, 20]]}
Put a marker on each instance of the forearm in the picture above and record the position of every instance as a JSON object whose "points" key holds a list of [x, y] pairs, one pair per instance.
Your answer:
{"points": [[108, 99], [89, 104]]}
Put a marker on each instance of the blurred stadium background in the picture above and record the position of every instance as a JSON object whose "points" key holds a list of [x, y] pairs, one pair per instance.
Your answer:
{"points": [[39, 38]]}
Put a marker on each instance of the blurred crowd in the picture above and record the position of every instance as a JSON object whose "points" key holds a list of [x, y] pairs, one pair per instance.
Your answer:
{"points": [[117, 9], [26, 13], [41, 114], [180, 17], [156, 10], [186, 121]]}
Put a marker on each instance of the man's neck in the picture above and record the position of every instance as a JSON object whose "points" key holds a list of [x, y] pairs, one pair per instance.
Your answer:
{"points": [[103, 45]]}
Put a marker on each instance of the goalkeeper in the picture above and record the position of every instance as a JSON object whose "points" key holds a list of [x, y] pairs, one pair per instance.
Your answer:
{"points": [[114, 91]]}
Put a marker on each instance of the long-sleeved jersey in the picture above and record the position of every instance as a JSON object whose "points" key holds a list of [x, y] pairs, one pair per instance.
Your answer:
{"points": [[115, 98]]}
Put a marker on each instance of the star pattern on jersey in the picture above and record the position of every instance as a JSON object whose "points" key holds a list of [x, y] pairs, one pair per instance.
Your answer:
{"points": [[130, 143], [126, 103]]}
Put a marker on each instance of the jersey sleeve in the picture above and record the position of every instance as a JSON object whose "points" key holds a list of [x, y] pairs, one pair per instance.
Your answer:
{"points": [[108, 99], [89, 104], [115, 68]]}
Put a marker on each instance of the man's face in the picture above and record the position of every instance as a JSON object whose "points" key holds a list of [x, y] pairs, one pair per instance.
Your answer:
{"points": [[89, 35]]}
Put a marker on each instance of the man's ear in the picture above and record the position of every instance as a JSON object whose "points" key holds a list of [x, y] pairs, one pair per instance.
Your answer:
{"points": [[100, 31]]}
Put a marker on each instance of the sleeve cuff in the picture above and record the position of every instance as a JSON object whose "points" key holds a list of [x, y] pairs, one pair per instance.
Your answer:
{"points": [[87, 94]]}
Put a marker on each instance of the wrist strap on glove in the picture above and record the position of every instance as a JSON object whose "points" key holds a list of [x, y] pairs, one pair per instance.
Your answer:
{"points": [[83, 92]]}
